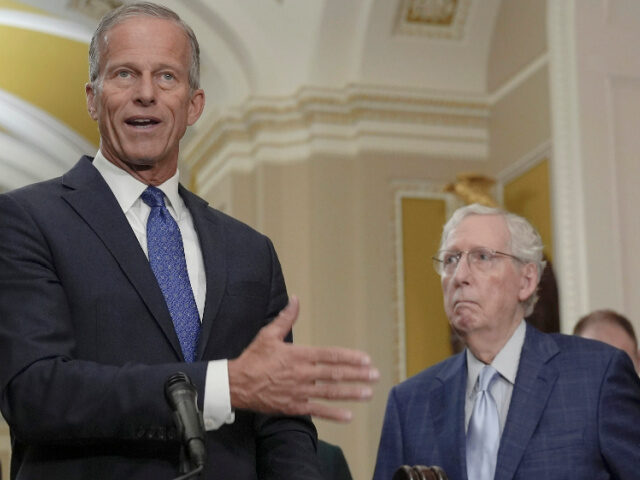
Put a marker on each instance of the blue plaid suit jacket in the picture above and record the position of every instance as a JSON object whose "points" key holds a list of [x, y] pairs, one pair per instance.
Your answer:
{"points": [[574, 414]]}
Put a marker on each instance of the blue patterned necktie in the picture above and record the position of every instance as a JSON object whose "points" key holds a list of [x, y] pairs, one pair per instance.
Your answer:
{"points": [[166, 256], [483, 434]]}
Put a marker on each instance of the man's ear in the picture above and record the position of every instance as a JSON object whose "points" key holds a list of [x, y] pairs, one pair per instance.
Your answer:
{"points": [[91, 100], [196, 106], [528, 281]]}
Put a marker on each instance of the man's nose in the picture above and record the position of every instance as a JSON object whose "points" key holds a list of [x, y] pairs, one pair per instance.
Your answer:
{"points": [[462, 271], [146, 90]]}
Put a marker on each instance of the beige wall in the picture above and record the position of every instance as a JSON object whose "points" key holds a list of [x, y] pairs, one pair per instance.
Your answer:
{"points": [[520, 122], [519, 36], [331, 219], [5, 448]]}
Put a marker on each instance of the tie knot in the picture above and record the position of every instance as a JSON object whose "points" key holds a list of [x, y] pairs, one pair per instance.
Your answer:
{"points": [[153, 197], [487, 375]]}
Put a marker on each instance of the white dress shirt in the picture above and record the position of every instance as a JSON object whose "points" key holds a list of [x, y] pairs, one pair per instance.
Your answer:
{"points": [[127, 190], [506, 363]]}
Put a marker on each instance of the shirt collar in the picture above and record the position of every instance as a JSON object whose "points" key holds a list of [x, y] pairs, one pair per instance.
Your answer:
{"points": [[506, 361], [127, 189]]}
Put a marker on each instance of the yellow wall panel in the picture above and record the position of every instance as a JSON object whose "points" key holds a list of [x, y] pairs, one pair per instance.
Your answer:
{"points": [[427, 338], [528, 195], [14, 5], [49, 72]]}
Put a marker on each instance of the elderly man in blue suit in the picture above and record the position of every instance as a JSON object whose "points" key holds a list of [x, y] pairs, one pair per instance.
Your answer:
{"points": [[516, 403]]}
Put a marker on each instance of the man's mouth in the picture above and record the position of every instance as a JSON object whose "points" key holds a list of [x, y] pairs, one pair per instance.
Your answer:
{"points": [[142, 122], [462, 303]]}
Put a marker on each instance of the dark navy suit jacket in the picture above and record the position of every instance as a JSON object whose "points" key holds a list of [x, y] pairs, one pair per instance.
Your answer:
{"points": [[87, 342], [574, 414]]}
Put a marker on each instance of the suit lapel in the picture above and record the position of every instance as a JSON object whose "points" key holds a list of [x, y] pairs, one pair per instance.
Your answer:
{"points": [[534, 382], [90, 196], [212, 244], [448, 420]]}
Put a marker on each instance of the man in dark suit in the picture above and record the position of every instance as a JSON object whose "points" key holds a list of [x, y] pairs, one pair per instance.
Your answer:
{"points": [[517, 403], [333, 463], [114, 277]]}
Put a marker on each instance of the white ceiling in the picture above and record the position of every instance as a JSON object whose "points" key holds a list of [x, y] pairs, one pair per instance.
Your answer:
{"points": [[276, 48], [273, 47]]}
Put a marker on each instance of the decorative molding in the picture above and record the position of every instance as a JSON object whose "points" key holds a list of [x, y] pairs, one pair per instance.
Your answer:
{"points": [[346, 121], [51, 146], [442, 19], [525, 163], [401, 189], [618, 265], [521, 166], [518, 79], [566, 171], [46, 24]]}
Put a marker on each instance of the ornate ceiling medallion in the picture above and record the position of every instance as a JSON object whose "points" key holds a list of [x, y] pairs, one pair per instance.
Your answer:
{"points": [[432, 18]]}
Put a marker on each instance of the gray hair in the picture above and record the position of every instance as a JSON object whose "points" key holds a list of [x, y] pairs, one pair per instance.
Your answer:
{"points": [[525, 241], [140, 9]]}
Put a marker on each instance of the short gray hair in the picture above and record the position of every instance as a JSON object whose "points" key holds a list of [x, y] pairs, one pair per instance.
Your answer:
{"points": [[525, 241], [141, 9]]}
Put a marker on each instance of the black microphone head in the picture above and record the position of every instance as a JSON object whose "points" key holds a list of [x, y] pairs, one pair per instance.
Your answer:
{"points": [[174, 384], [181, 394]]}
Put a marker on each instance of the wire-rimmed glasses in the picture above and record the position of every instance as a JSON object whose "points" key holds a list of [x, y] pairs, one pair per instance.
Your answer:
{"points": [[481, 259]]}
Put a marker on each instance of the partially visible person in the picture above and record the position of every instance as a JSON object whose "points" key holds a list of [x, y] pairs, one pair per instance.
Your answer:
{"points": [[333, 463], [610, 327], [516, 404]]}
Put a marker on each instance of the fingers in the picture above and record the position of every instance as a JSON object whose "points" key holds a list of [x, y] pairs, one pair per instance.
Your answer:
{"points": [[321, 410], [283, 323], [273, 376], [332, 355], [333, 373], [337, 392]]}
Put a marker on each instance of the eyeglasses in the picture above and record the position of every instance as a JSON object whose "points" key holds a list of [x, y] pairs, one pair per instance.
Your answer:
{"points": [[479, 259]]}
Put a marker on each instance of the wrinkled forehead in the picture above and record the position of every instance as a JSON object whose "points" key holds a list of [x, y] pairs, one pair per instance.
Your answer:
{"points": [[489, 231]]}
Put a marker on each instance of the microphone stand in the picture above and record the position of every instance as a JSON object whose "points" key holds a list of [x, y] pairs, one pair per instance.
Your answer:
{"points": [[182, 397], [191, 474]]}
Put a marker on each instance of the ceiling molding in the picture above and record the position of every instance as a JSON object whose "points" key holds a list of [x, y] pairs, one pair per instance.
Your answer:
{"points": [[518, 79], [525, 163], [337, 121], [440, 19]]}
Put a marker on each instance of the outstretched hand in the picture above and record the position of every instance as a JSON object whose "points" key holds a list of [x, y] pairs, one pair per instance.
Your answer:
{"points": [[273, 376]]}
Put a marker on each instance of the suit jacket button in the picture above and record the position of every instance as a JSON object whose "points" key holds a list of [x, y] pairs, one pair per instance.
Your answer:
{"points": [[141, 432]]}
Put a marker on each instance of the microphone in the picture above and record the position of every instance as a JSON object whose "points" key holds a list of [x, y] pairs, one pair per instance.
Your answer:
{"points": [[182, 397], [419, 472]]}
